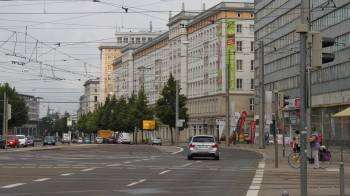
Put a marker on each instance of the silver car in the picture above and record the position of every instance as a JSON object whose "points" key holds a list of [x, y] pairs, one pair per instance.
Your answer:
{"points": [[203, 146]]}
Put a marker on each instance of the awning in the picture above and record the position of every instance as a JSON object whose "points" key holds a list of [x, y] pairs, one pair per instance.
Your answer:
{"points": [[344, 113]]}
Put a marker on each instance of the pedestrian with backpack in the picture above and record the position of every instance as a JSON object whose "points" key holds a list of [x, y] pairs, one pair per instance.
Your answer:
{"points": [[315, 147]]}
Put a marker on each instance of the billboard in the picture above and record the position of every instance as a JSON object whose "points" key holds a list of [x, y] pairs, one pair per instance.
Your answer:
{"points": [[149, 124], [230, 52]]}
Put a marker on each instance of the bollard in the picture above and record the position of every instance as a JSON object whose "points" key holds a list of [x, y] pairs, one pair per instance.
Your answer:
{"points": [[285, 193]]}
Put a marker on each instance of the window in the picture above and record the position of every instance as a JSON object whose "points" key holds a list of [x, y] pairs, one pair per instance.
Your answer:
{"points": [[239, 65], [239, 45], [252, 65], [126, 40], [251, 46], [95, 98], [138, 40], [119, 40], [251, 104], [132, 40], [239, 83], [251, 28], [239, 28], [251, 84], [95, 90]]}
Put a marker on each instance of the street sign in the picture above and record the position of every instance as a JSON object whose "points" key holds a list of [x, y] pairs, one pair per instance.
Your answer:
{"points": [[69, 121], [9, 111], [180, 122], [149, 124]]}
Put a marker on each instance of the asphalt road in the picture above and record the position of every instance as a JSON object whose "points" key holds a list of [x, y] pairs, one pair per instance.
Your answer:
{"points": [[125, 170]]}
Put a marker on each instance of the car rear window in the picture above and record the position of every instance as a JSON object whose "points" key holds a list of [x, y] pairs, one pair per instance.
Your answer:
{"points": [[203, 139], [21, 137]]}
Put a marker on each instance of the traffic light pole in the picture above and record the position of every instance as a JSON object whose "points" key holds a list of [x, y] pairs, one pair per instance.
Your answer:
{"points": [[304, 28], [4, 119], [262, 96]]}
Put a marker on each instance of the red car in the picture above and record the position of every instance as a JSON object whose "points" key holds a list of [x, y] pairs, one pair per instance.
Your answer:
{"points": [[12, 141]]}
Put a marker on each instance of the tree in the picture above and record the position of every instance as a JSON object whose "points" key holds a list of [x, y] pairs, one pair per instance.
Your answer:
{"points": [[166, 106], [19, 115], [142, 110]]}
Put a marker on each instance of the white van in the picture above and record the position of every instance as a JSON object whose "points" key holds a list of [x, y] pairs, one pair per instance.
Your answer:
{"points": [[124, 138]]}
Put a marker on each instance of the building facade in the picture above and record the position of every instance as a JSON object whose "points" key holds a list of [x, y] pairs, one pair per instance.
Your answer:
{"points": [[275, 26], [33, 105], [89, 102], [197, 50]]}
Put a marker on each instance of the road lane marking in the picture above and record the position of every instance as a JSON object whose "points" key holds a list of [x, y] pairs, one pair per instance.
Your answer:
{"points": [[180, 150], [257, 180], [137, 160], [135, 183], [88, 169], [164, 172], [66, 174], [41, 179], [146, 159], [113, 165], [332, 169], [187, 164], [12, 185], [127, 162]]}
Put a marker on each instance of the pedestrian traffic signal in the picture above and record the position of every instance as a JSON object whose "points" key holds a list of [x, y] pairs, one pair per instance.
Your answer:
{"points": [[317, 56]]}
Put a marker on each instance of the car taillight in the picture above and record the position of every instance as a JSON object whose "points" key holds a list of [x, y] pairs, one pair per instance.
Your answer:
{"points": [[191, 146], [215, 146]]}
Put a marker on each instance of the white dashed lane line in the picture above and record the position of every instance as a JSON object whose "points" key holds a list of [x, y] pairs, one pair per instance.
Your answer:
{"points": [[135, 183], [66, 174], [88, 169], [164, 172], [41, 179], [114, 165], [187, 164], [127, 162], [12, 185]]}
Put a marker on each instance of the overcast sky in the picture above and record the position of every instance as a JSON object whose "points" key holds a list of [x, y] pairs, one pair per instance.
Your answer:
{"points": [[49, 48]]}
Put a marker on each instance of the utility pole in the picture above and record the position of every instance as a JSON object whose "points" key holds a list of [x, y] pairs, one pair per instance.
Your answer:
{"points": [[228, 101], [262, 96], [4, 118], [177, 112], [303, 29], [276, 128]]}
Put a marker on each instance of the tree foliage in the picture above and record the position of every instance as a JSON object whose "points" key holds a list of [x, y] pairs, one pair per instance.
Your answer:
{"points": [[19, 115], [123, 115], [166, 105]]}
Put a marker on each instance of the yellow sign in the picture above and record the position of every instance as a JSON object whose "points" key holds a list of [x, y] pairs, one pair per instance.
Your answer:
{"points": [[149, 124]]}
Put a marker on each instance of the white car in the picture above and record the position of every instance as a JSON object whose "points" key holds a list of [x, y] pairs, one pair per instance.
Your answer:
{"points": [[156, 141], [203, 146], [99, 140], [22, 140]]}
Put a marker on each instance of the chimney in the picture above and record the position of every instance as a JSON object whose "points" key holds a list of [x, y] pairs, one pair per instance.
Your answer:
{"points": [[183, 6], [169, 14], [203, 6], [150, 26]]}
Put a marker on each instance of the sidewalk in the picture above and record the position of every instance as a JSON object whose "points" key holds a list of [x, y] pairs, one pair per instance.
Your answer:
{"points": [[321, 182]]}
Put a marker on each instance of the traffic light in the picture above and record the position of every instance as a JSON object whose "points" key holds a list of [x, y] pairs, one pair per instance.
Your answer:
{"points": [[317, 56], [283, 100]]}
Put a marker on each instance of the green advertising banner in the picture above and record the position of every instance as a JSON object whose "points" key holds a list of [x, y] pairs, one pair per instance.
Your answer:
{"points": [[218, 62], [230, 52]]}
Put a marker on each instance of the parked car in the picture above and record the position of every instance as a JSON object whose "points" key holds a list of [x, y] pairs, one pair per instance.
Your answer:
{"points": [[109, 140], [2, 143], [87, 140], [99, 140], [156, 141], [12, 141], [203, 146], [30, 141], [66, 138], [124, 138], [49, 140], [22, 140]]}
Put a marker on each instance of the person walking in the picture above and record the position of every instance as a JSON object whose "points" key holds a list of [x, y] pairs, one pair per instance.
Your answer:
{"points": [[315, 147]]}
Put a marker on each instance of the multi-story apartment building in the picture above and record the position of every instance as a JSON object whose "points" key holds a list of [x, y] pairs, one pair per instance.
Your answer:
{"points": [[275, 26], [90, 100], [108, 53], [196, 50], [219, 37], [111, 51], [33, 105], [151, 67]]}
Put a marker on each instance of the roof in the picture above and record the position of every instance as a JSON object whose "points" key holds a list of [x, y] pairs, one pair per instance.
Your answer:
{"points": [[92, 81], [344, 113], [223, 6], [153, 42], [110, 45]]}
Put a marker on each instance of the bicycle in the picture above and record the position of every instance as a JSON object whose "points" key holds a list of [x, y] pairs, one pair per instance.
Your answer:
{"points": [[324, 158]]}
